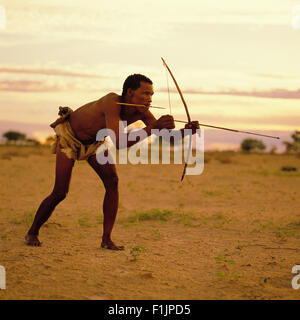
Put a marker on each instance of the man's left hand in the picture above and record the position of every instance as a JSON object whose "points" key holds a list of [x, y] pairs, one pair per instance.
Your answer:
{"points": [[194, 125]]}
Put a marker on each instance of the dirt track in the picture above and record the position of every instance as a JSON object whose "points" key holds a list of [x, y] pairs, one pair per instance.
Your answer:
{"points": [[231, 233]]}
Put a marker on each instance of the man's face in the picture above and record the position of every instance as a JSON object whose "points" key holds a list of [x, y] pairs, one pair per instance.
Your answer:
{"points": [[142, 95]]}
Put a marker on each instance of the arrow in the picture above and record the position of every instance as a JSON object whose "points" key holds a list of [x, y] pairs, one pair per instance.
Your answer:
{"points": [[138, 105], [233, 130]]}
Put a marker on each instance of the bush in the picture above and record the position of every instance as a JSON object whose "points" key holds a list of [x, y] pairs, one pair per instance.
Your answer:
{"points": [[294, 146], [249, 145]]}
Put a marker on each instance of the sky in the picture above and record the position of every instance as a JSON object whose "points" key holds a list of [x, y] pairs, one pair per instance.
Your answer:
{"points": [[236, 61]]}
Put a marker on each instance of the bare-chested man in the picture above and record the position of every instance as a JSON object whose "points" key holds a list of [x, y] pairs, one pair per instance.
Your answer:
{"points": [[84, 123]]}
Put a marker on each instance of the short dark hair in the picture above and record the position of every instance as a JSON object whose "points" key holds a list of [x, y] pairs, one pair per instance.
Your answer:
{"points": [[133, 82]]}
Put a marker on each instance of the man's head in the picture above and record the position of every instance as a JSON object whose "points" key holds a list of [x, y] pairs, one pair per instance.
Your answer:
{"points": [[138, 89]]}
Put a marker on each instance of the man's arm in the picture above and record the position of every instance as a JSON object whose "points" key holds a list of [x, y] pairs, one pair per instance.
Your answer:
{"points": [[149, 119], [112, 118]]}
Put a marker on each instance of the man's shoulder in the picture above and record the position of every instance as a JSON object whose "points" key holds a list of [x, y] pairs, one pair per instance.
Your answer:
{"points": [[111, 97], [108, 99], [108, 103]]}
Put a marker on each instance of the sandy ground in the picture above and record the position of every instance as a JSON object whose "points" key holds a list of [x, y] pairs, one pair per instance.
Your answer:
{"points": [[231, 233]]}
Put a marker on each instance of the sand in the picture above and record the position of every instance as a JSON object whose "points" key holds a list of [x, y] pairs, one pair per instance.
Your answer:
{"points": [[231, 233]]}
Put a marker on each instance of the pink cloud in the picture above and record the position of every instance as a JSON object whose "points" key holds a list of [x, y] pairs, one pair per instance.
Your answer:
{"points": [[272, 93], [27, 86], [52, 72], [275, 76]]}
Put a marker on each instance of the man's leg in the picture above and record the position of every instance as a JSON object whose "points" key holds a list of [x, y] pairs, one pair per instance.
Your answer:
{"points": [[63, 172], [108, 174]]}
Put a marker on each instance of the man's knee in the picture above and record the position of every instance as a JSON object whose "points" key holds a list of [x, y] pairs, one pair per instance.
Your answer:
{"points": [[58, 196], [111, 181]]}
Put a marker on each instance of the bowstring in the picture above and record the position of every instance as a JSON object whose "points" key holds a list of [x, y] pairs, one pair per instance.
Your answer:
{"points": [[167, 76]]}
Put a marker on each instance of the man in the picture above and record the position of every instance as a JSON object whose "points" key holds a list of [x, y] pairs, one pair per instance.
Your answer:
{"points": [[76, 140]]}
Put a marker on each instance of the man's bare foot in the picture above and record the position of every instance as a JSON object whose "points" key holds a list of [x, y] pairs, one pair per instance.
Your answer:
{"points": [[108, 244], [32, 240]]}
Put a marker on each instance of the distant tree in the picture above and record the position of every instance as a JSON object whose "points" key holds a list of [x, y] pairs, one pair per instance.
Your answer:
{"points": [[49, 140], [273, 150], [14, 136], [32, 142], [294, 146], [249, 145]]}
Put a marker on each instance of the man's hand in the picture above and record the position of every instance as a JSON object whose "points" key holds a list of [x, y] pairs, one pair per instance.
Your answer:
{"points": [[164, 122], [194, 125]]}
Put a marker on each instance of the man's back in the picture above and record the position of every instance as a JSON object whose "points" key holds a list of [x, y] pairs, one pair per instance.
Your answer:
{"points": [[87, 120]]}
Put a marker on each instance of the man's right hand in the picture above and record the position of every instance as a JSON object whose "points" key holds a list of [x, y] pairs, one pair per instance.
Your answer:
{"points": [[164, 122]]}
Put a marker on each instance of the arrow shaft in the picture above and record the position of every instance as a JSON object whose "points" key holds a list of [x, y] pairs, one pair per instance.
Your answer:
{"points": [[138, 105], [233, 130]]}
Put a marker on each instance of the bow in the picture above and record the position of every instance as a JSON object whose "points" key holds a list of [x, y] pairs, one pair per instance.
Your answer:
{"points": [[187, 114]]}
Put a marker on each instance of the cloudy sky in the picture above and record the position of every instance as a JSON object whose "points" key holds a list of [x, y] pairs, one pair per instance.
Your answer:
{"points": [[236, 61]]}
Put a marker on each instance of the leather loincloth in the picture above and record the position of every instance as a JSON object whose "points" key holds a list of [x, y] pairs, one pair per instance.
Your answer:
{"points": [[66, 141]]}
